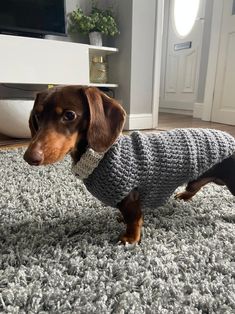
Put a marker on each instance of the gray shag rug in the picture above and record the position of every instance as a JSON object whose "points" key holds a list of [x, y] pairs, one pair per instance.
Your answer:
{"points": [[59, 250]]}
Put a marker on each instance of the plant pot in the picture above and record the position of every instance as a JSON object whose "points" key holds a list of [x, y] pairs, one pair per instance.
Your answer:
{"points": [[95, 38]]}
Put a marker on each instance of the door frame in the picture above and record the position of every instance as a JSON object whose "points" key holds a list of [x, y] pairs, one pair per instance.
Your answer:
{"points": [[212, 59], [159, 21]]}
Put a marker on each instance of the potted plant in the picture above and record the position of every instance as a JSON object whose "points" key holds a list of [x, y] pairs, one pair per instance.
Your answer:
{"points": [[95, 24]]}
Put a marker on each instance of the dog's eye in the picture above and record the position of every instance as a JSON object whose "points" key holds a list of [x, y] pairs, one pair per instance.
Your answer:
{"points": [[69, 115]]}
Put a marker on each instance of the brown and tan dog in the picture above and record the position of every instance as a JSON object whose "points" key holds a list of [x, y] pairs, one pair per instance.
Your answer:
{"points": [[68, 119]]}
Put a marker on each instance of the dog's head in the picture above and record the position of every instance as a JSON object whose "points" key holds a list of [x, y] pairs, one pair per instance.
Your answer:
{"points": [[64, 117]]}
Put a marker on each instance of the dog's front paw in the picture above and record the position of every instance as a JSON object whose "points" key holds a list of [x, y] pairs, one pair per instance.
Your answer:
{"points": [[129, 239], [185, 196]]}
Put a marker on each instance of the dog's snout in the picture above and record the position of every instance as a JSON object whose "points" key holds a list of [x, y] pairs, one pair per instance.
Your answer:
{"points": [[34, 157]]}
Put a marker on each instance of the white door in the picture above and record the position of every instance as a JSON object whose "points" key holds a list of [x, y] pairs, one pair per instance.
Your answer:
{"points": [[223, 109], [181, 53]]}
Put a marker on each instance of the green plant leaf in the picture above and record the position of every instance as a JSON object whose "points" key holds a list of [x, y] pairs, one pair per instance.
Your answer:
{"points": [[98, 20]]}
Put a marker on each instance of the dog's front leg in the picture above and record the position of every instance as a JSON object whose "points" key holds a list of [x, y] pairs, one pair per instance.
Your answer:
{"points": [[132, 216]]}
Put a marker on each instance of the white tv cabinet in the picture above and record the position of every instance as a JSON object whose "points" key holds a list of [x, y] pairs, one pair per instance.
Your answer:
{"points": [[42, 61]]}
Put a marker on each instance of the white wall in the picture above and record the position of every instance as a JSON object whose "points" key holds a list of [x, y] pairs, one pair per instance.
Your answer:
{"points": [[142, 55], [133, 66], [121, 63]]}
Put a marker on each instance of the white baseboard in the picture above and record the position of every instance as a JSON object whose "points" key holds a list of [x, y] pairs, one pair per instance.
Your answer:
{"points": [[177, 111], [139, 121], [198, 110]]}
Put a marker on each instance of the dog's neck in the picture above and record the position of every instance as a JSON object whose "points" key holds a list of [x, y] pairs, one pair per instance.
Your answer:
{"points": [[85, 159], [87, 163], [80, 149]]}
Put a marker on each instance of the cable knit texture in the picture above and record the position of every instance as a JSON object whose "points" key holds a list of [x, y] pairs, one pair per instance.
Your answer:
{"points": [[156, 164]]}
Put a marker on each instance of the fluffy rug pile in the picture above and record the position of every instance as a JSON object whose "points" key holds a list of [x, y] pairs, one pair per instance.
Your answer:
{"points": [[59, 250]]}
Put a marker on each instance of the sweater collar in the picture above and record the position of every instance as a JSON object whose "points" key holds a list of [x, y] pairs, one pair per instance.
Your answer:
{"points": [[87, 163]]}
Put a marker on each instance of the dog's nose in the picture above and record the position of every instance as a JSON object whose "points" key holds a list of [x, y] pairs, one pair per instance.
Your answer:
{"points": [[34, 157]]}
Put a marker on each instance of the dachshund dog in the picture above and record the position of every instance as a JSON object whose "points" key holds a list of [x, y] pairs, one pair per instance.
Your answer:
{"points": [[69, 119]]}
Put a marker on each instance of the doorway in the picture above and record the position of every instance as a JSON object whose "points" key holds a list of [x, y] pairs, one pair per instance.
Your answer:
{"points": [[182, 44]]}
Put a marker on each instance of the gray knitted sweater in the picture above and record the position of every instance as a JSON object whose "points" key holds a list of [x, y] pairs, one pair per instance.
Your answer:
{"points": [[156, 164]]}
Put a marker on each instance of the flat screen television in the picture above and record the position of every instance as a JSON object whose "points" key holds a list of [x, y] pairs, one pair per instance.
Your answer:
{"points": [[32, 17]]}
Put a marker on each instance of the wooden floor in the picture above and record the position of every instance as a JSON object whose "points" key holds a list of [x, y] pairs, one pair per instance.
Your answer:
{"points": [[170, 121], [8, 142], [166, 121]]}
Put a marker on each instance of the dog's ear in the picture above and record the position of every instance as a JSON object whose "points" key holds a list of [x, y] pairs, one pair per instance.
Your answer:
{"points": [[33, 123], [33, 126], [107, 118]]}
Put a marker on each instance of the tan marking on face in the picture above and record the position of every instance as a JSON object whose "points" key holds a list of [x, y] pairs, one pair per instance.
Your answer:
{"points": [[58, 110], [55, 146]]}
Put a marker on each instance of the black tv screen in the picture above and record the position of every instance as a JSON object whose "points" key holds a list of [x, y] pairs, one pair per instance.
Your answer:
{"points": [[32, 16]]}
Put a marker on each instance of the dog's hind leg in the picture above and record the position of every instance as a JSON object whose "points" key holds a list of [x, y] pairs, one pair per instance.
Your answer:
{"points": [[221, 174], [132, 217], [229, 181], [226, 173], [193, 187]]}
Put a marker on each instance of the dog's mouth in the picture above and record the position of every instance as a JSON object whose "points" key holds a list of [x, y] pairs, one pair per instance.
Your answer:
{"points": [[33, 163], [49, 150], [38, 158], [34, 157]]}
